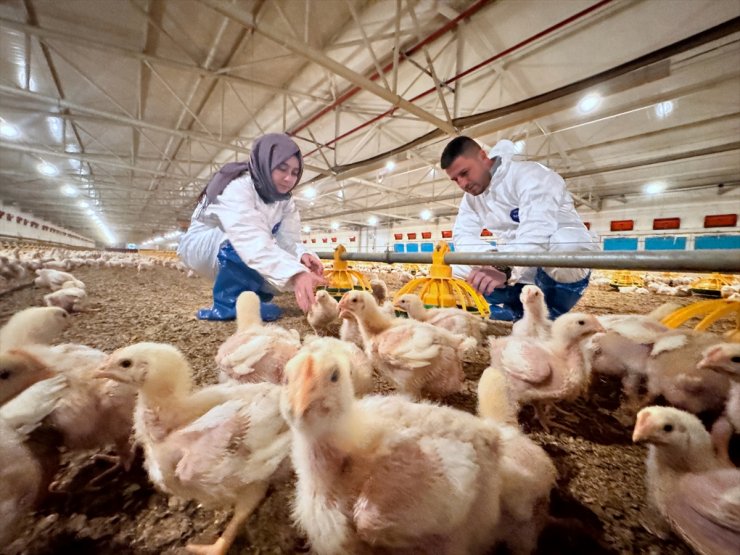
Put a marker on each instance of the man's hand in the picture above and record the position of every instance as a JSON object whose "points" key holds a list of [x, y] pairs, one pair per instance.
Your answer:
{"points": [[485, 279], [313, 264], [303, 287]]}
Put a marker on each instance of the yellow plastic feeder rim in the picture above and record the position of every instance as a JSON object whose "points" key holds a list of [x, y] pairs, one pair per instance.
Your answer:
{"points": [[711, 285], [341, 278], [626, 278], [711, 311], [441, 290]]}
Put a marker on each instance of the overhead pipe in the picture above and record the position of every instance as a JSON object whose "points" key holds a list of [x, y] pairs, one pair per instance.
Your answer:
{"points": [[495, 57], [720, 260], [352, 91]]}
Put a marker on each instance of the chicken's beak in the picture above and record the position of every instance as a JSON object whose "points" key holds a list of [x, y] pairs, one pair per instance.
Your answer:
{"points": [[302, 388], [642, 430], [342, 306]]}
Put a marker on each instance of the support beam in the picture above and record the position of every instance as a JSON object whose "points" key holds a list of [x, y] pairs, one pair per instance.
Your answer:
{"points": [[234, 13]]}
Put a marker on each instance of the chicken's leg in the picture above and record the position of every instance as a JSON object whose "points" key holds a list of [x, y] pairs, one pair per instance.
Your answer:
{"points": [[244, 508]]}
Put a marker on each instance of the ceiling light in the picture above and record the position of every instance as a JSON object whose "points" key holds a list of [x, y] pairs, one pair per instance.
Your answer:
{"points": [[390, 165], [83, 204], [655, 187], [335, 225], [309, 192], [306, 229], [425, 214], [47, 169], [372, 220], [9, 131], [69, 191], [663, 109], [589, 103]]}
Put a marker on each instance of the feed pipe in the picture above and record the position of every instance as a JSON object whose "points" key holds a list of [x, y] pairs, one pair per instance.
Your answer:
{"points": [[499, 55], [720, 260]]}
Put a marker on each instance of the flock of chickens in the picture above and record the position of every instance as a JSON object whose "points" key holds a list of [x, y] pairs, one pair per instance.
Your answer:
{"points": [[399, 473]]}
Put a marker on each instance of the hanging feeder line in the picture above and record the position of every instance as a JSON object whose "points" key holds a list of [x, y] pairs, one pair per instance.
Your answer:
{"points": [[720, 260]]}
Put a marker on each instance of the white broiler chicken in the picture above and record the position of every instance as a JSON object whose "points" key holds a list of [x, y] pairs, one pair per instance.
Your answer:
{"points": [[92, 413], [535, 323], [22, 474], [453, 320], [350, 330], [36, 325], [70, 299], [221, 445], [673, 372], [725, 359], [527, 473], [542, 373], [257, 352], [361, 367], [623, 350], [323, 316], [418, 358], [55, 279], [382, 474], [689, 487]]}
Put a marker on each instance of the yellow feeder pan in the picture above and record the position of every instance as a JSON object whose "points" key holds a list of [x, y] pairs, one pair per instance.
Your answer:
{"points": [[342, 278], [441, 290], [627, 279], [711, 285], [710, 312]]}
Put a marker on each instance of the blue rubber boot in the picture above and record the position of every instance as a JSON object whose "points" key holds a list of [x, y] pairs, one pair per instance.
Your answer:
{"points": [[560, 297], [233, 278], [505, 304]]}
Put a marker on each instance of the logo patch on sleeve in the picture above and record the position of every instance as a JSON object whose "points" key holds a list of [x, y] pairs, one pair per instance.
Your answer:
{"points": [[277, 226], [514, 215]]}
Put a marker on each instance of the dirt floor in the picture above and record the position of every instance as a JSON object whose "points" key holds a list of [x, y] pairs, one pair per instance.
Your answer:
{"points": [[597, 505]]}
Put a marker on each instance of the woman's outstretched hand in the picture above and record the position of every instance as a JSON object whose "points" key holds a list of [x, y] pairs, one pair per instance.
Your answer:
{"points": [[303, 287], [313, 263]]}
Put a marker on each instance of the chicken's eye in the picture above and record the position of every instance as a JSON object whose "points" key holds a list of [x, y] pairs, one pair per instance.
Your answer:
{"points": [[668, 428], [736, 360], [581, 322], [354, 300], [126, 363], [4, 374], [335, 376]]}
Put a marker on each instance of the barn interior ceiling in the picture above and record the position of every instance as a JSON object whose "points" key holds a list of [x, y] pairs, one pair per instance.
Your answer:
{"points": [[114, 113]]}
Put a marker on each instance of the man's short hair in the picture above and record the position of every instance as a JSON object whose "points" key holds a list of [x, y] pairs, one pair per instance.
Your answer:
{"points": [[457, 147]]}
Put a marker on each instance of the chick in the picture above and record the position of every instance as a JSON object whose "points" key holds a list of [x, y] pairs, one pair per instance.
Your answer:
{"points": [[673, 373], [419, 358], [92, 413], [542, 373], [70, 299], [725, 359], [256, 352], [323, 317], [527, 472], [221, 445], [22, 474], [453, 320], [384, 475], [36, 325], [535, 322], [379, 290], [689, 487], [54, 279], [361, 369], [18, 371]]}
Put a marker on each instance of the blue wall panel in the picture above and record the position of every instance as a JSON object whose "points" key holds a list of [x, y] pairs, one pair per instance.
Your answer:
{"points": [[412, 247], [620, 244], [665, 243], [717, 242], [427, 247], [398, 247]]}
